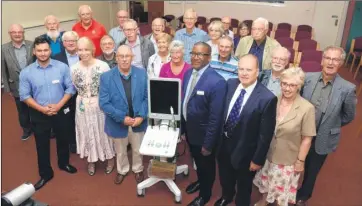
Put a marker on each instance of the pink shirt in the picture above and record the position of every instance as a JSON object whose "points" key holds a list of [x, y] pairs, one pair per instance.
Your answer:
{"points": [[166, 71]]}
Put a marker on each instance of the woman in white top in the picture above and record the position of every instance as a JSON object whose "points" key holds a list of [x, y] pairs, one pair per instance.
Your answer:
{"points": [[92, 142], [156, 61], [216, 30]]}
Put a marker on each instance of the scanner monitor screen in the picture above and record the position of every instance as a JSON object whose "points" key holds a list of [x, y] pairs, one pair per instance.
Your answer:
{"points": [[164, 93]]}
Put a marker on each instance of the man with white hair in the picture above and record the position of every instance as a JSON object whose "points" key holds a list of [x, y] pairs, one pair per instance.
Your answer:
{"points": [[190, 34], [53, 34], [15, 56], [158, 27], [226, 22], [270, 77], [258, 44], [108, 51], [142, 48], [117, 32], [89, 27]]}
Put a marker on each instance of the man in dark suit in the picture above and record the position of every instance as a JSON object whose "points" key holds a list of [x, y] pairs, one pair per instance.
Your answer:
{"points": [[15, 56], [250, 112], [202, 111], [70, 57]]}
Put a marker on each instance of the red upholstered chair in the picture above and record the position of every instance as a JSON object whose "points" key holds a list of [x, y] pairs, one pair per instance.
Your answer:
{"points": [[311, 66], [248, 22], [310, 55], [201, 20], [307, 44], [304, 28], [302, 35], [285, 41], [234, 23], [285, 26], [281, 33], [271, 25], [145, 29], [355, 51]]}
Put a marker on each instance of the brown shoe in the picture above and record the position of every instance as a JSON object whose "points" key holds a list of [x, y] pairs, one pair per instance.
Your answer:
{"points": [[301, 203], [119, 179], [139, 177]]}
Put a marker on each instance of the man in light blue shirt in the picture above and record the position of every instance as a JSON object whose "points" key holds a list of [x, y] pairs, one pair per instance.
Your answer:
{"points": [[190, 34], [117, 32], [46, 86], [224, 63]]}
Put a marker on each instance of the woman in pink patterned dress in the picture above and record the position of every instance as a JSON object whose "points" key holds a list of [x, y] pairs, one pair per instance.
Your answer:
{"points": [[294, 129], [92, 142]]}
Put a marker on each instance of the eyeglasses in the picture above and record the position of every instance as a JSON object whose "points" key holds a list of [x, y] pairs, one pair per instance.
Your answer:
{"points": [[334, 60], [16, 32], [189, 19], [257, 29], [124, 56], [276, 59], [285, 85], [198, 55]]}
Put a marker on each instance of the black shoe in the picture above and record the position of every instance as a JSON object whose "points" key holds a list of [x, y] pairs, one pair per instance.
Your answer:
{"points": [[68, 168], [222, 202], [198, 201], [25, 136], [193, 187], [42, 182]]}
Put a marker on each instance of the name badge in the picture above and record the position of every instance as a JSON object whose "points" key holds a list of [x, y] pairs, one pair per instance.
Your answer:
{"points": [[66, 110], [55, 81], [200, 92]]}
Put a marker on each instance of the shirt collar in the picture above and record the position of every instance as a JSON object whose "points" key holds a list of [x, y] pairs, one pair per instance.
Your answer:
{"points": [[192, 33], [261, 45], [138, 41], [249, 89], [330, 81], [22, 44], [228, 59], [128, 76], [69, 55], [51, 63]]}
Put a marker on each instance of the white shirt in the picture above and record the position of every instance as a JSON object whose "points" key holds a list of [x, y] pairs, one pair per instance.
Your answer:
{"points": [[231, 34], [214, 48], [155, 64], [237, 92]]}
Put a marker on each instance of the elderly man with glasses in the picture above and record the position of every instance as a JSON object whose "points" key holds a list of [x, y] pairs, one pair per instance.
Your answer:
{"points": [[117, 32]]}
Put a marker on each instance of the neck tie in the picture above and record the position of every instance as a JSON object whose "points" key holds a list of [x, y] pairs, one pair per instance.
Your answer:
{"points": [[234, 114], [192, 86]]}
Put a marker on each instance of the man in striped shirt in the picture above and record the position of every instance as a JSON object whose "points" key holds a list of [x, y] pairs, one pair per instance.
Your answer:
{"points": [[224, 63], [190, 34]]}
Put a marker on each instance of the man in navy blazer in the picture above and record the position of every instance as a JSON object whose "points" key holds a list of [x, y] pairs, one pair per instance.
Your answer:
{"points": [[123, 98], [249, 121], [202, 110]]}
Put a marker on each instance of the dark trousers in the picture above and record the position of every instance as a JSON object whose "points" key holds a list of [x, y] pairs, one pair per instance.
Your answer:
{"points": [[313, 165], [23, 115], [72, 107], [206, 170], [42, 125], [230, 177]]}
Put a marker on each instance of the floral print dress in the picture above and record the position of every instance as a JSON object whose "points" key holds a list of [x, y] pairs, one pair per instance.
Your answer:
{"points": [[92, 141]]}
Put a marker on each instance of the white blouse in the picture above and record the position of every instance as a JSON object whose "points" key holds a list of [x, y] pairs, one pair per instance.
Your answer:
{"points": [[155, 64], [214, 48]]}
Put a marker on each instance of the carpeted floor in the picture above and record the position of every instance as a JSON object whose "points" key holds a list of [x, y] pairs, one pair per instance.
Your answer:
{"points": [[339, 182]]}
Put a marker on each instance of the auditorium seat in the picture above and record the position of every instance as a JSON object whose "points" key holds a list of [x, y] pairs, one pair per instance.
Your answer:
{"points": [[281, 33], [302, 35], [310, 55], [304, 28], [286, 26], [307, 44], [355, 51], [311, 66]]}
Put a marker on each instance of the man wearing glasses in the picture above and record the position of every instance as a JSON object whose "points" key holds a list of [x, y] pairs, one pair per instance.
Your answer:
{"points": [[258, 44], [141, 47], [190, 34], [203, 92], [158, 27], [15, 56], [271, 77], [226, 23], [335, 105], [117, 32]]}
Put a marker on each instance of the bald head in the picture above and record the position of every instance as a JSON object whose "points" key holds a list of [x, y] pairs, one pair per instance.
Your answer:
{"points": [[16, 32], [51, 23], [124, 58], [122, 16], [226, 22], [85, 14], [158, 26], [248, 70]]}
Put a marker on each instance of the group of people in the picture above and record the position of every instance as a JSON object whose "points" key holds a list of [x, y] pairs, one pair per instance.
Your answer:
{"points": [[262, 122]]}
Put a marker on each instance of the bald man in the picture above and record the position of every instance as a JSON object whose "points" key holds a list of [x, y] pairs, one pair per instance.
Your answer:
{"points": [[249, 121], [123, 98], [158, 27], [117, 32], [53, 34], [89, 27], [226, 23], [15, 56]]}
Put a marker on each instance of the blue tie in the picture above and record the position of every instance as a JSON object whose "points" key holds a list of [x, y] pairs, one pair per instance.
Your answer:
{"points": [[234, 114]]}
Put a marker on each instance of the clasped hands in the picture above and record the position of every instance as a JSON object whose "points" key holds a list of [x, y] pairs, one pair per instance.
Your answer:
{"points": [[51, 109], [133, 122]]}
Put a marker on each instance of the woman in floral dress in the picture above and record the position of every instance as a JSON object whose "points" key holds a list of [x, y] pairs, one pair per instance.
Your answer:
{"points": [[294, 129], [92, 141]]}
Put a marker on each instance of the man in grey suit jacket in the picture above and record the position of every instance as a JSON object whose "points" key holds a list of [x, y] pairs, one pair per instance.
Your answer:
{"points": [[335, 104], [15, 56], [142, 48]]}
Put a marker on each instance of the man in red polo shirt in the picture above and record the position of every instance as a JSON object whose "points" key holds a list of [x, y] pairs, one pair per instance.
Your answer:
{"points": [[89, 27]]}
